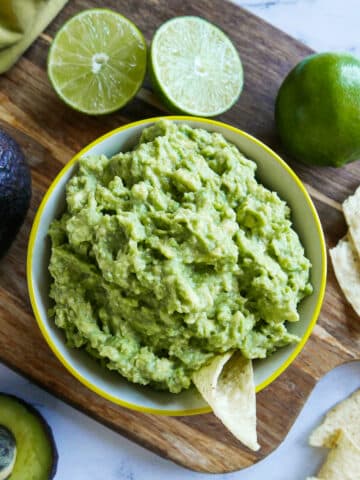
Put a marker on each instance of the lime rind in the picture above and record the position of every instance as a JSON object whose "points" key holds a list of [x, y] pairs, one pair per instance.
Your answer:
{"points": [[97, 61], [195, 67]]}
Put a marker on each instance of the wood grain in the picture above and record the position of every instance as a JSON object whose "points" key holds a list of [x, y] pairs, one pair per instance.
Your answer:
{"points": [[50, 133]]}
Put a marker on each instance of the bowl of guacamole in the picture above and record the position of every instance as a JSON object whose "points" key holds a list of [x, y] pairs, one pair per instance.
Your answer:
{"points": [[165, 243]]}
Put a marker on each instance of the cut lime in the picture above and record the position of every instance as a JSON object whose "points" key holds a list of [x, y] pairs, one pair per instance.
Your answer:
{"points": [[195, 68], [97, 61]]}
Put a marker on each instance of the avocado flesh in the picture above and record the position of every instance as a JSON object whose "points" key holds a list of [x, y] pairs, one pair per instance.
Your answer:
{"points": [[36, 457], [15, 190], [7, 452]]}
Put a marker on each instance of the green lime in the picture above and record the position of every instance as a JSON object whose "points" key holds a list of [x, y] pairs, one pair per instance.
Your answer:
{"points": [[317, 110], [97, 61], [195, 68]]}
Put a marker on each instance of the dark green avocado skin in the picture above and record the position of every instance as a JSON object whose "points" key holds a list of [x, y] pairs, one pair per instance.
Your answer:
{"points": [[15, 190], [14, 402]]}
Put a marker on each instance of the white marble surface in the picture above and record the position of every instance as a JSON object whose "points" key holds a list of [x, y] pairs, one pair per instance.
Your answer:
{"points": [[324, 25], [88, 450]]}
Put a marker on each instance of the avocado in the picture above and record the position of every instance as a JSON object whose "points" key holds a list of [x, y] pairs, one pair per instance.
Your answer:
{"points": [[26, 438], [7, 452], [15, 190]]}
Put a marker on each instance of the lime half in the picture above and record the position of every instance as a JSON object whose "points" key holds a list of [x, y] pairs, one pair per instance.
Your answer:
{"points": [[195, 68], [97, 61]]}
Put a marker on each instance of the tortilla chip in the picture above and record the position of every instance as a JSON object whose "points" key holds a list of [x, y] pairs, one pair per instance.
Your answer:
{"points": [[343, 461], [346, 265], [344, 416], [351, 209], [227, 384]]}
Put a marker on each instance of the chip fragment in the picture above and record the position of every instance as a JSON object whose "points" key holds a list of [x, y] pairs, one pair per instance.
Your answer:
{"points": [[351, 209], [346, 263], [344, 416], [227, 385], [343, 461]]}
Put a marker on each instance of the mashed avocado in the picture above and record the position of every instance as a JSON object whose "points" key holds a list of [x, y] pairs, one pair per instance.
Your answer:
{"points": [[171, 253]]}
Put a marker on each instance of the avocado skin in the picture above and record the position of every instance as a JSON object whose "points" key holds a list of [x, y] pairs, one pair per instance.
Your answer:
{"points": [[15, 190], [17, 402]]}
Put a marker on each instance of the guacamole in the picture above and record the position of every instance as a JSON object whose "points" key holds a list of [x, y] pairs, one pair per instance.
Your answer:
{"points": [[171, 253]]}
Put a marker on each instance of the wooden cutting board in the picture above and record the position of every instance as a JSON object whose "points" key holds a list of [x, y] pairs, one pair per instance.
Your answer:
{"points": [[50, 133]]}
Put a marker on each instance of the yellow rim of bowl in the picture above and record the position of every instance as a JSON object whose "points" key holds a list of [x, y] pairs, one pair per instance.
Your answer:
{"points": [[34, 230]]}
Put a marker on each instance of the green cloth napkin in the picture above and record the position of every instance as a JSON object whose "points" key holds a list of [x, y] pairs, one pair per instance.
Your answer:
{"points": [[21, 21]]}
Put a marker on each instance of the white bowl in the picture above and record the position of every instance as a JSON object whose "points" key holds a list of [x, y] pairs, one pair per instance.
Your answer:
{"points": [[273, 173]]}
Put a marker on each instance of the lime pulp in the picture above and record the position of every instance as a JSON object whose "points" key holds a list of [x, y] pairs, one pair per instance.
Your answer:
{"points": [[97, 61], [195, 67]]}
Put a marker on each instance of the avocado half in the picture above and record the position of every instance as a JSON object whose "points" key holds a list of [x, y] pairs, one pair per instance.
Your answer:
{"points": [[15, 190], [27, 446]]}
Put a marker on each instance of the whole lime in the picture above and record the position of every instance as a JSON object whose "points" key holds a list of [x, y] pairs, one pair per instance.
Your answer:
{"points": [[317, 110]]}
